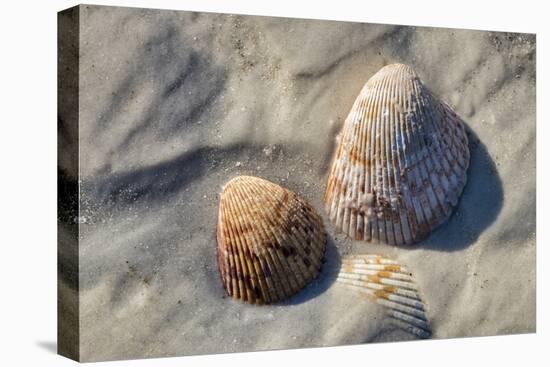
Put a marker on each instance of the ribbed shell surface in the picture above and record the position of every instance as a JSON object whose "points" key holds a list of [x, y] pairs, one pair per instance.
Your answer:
{"points": [[389, 284], [271, 242], [400, 165]]}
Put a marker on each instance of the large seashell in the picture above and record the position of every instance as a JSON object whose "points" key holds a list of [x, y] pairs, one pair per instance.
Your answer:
{"points": [[271, 242], [389, 284], [401, 163]]}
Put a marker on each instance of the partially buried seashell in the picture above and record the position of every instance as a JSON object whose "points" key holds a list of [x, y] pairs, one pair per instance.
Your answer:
{"points": [[389, 284], [401, 162], [271, 242]]}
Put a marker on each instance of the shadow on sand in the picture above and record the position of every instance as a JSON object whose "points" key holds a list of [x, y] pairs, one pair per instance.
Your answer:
{"points": [[48, 345]]}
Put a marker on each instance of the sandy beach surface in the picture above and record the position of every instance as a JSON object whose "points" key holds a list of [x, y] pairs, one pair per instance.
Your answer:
{"points": [[174, 104]]}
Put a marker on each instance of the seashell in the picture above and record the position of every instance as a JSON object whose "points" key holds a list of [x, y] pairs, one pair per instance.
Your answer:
{"points": [[271, 242], [389, 284], [401, 162]]}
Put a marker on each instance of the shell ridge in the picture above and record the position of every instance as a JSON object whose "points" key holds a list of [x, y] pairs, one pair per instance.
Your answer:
{"points": [[456, 141], [235, 289], [362, 223], [375, 228], [385, 162], [443, 179], [393, 177], [391, 225], [223, 256], [271, 278], [355, 155], [374, 277], [269, 241], [259, 236], [306, 249], [359, 227], [400, 166], [433, 210], [235, 267], [405, 202], [412, 217], [450, 151], [393, 268], [463, 156], [345, 166], [379, 149], [412, 176], [296, 238], [241, 243], [375, 101], [229, 270], [421, 214], [400, 298], [363, 230], [253, 234], [403, 322], [295, 272], [446, 208], [296, 275], [283, 284], [358, 283], [301, 225]]}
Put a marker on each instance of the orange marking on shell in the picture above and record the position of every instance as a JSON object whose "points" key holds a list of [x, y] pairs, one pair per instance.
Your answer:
{"points": [[398, 138], [393, 268], [397, 292], [384, 274], [381, 294], [373, 278]]}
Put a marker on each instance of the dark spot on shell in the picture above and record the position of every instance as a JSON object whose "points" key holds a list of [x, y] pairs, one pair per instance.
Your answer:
{"points": [[285, 251], [267, 271], [257, 292]]}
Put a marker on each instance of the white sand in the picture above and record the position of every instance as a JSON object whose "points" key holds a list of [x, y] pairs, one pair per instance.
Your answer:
{"points": [[174, 104]]}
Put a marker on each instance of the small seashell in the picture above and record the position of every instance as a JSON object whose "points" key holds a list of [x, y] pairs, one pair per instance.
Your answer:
{"points": [[270, 241], [389, 284], [401, 163]]}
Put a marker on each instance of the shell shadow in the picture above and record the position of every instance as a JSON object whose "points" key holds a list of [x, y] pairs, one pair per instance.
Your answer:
{"points": [[392, 334], [325, 279], [479, 205]]}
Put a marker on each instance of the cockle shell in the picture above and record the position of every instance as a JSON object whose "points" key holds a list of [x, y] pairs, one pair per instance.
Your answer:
{"points": [[389, 284], [401, 162], [271, 242]]}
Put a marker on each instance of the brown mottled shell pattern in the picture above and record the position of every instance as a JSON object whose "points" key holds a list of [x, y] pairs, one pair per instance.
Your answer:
{"points": [[401, 162], [271, 242]]}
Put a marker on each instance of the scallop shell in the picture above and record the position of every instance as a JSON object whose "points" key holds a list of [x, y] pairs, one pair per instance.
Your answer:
{"points": [[389, 284], [401, 162], [271, 242]]}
